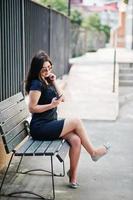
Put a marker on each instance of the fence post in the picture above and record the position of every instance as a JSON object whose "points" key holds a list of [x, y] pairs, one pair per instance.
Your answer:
{"points": [[3, 155], [23, 46], [49, 31], [114, 70]]}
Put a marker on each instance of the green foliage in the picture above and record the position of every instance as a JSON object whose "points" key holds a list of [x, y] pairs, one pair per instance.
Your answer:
{"points": [[93, 23], [106, 30], [76, 17], [59, 5], [125, 1]]}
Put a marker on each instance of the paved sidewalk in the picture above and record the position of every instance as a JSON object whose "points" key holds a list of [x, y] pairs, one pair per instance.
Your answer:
{"points": [[91, 92]]}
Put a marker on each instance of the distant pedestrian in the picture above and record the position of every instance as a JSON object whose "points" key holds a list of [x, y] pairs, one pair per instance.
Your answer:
{"points": [[44, 97]]}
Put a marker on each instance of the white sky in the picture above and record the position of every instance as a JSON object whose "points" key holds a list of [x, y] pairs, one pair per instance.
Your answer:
{"points": [[91, 2]]}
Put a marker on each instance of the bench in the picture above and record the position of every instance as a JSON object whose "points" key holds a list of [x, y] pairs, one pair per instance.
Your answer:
{"points": [[15, 133]]}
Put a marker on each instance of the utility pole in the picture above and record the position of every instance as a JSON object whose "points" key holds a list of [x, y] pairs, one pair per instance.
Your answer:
{"points": [[69, 7]]}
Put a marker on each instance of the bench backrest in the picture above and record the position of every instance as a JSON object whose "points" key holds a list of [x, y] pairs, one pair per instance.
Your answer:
{"points": [[13, 114]]}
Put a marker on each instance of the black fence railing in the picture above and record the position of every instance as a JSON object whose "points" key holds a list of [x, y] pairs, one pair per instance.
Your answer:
{"points": [[11, 72], [37, 30], [59, 42], [26, 27]]}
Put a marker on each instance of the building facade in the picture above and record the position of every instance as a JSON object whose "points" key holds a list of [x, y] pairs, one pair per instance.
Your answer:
{"points": [[129, 26]]}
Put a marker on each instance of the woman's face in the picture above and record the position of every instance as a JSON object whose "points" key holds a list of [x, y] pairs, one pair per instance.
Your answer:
{"points": [[46, 69]]}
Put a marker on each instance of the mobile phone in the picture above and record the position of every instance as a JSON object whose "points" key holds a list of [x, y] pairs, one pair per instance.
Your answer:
{"points": [[58, 97]]}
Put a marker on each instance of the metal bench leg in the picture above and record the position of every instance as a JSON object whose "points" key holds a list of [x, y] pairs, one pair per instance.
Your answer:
{"points": [[52, 172], [19, 164], [20, 192], [17, 194], [63, 169], [6, 172], [29, 192], [43, 170]]}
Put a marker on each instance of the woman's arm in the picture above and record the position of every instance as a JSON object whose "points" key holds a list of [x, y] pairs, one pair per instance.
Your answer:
{"points": [[58, 89], [34, 96]]}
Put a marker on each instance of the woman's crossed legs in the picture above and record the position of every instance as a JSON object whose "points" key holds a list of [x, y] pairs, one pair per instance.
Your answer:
{"points": [[75, 133]]}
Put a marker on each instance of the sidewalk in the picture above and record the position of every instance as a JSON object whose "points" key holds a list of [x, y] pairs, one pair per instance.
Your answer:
{"points": [[91, 92]]}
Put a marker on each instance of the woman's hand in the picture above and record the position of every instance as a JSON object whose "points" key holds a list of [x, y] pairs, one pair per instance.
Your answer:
{"points": [[55, 102], [52, 77]]}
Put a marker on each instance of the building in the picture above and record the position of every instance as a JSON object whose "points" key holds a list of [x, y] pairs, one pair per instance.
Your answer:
{"points": [[107, 10], [129, 25]]}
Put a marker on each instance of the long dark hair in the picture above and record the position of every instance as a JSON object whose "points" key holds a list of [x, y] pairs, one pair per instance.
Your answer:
{"points": [[35, 67]]}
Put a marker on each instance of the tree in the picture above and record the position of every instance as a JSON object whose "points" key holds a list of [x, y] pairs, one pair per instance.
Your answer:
{"points": [[125, 1], [106, 30], [59, 5], [76, 17], [93, 23]]}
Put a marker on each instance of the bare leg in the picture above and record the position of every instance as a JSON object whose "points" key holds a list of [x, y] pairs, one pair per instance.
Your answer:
{"points": [[76, 126], [74, 154]]}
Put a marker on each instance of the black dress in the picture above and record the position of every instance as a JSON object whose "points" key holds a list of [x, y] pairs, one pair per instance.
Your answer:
{"points": [[45, 125]]}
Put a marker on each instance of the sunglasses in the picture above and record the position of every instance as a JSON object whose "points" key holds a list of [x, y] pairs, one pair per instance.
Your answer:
{"points": [[45, 69]]}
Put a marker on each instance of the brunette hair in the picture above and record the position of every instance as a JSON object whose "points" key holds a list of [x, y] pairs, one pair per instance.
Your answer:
{"points": [[35, 67]]}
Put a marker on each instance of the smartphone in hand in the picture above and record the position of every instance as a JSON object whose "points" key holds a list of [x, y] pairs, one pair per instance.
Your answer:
{"points": [[58, 97]]}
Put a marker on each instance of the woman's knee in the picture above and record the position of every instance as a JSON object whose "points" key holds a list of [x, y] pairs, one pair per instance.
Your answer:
{"points": [[75, 140], [70, 125]]}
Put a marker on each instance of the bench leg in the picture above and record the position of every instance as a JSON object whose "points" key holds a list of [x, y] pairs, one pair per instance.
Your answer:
{"points": [[19, 164], [52, 172], [63, 171], [43, 170], [29, 192], [25, 192]]}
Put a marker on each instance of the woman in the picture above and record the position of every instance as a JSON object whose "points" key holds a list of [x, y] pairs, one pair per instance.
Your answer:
{"points": [[44, 97]]}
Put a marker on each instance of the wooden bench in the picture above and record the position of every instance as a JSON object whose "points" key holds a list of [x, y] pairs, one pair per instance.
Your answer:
{"points": [[14, 129]]}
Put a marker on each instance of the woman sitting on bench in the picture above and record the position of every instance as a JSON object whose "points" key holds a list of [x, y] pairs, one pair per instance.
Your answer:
{"points": [[44, 97]]}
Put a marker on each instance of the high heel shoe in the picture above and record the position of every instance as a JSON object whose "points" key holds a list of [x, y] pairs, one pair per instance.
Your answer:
{"points": [[72, 185], [97, 157]]}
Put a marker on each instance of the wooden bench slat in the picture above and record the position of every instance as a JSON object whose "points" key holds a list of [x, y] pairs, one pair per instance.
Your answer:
{"points": [[53, 148], [31, 150], [63, 151], [7, 137], [17, 140], [43, 147], [21, 150], [14, 121], [10, 101], [12, 111]]}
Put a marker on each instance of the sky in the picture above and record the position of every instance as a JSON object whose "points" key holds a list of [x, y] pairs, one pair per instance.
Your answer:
{"points": [[91, 2]]}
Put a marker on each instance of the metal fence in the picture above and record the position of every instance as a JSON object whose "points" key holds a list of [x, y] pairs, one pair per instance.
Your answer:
{"points": [[11, 48], [25, 28], [59, 42]]}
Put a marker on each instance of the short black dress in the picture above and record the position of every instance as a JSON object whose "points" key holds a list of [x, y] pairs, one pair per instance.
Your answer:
{"points": [[45, 125]]}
